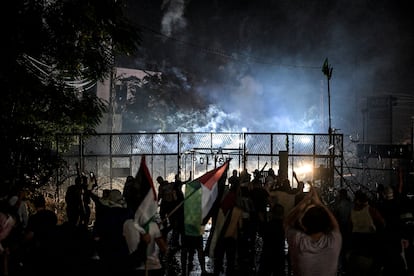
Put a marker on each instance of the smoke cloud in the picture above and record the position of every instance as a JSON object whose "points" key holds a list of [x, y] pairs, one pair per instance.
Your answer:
{"points": [[258, 64], [173, 19]]}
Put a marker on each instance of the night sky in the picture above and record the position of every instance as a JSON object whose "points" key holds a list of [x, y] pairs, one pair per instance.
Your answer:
{"points": [[258, 63]]}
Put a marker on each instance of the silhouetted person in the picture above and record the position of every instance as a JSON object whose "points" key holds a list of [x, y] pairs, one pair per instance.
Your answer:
{"points": [[245, 177], [272, 258], [8, 222], [229, 222], [271, 180], [19, 202], [191, 245], [234, 179], [365, 222], [74, 203], [342, 211], [108, 232], [314, 238], [86, 201], [177, 218], [260, 198], [145, 237], [392, 236], [41, 238], [247, 236], [131, 194], [168, 200]]}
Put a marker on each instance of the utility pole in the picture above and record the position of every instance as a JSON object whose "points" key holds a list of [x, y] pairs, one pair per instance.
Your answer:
{"points": [[327, 71]]}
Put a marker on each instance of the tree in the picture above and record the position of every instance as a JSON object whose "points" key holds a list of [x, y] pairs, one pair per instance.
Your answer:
{"points": [[54, 52], [161, 102]]}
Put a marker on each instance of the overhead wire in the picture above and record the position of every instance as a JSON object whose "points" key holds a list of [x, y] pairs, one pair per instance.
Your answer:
{"points": [[222, 53]]}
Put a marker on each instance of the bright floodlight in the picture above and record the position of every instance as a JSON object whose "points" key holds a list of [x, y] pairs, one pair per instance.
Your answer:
{"points": [[304, 169]]}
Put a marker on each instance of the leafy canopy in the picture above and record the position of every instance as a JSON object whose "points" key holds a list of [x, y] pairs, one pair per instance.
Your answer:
{"points": [[54, 53]]}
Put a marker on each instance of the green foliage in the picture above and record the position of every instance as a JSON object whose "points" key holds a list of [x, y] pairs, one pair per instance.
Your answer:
{"points": [[161, 103], [55, 52]]}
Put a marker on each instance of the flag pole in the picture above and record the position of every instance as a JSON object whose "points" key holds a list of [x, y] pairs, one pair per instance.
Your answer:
{"points": [[178, 206], [182, 202]]}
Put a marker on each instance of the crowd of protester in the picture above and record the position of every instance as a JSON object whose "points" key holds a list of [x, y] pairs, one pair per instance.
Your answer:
{"points": [[262, 226]]}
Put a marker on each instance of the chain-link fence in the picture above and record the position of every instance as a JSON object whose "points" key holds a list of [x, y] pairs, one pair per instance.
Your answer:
{"points": [[112, 157]]}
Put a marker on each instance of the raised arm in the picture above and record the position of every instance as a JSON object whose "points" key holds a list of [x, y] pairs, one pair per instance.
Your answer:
{"points": [[293, 217], [317, 201], [311, 199]]}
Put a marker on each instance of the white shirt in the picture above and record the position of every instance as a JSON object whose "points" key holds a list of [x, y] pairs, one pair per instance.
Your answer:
{"points": [[314, 258], [132, 233]]}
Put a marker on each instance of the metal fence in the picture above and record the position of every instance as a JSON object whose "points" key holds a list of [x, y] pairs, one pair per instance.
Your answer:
{"points": [[112, 157]]}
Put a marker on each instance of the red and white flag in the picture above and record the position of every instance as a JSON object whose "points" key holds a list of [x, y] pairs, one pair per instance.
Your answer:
{"points": [[149, 205]]}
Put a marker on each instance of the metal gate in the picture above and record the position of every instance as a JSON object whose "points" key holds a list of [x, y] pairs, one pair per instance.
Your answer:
{"points": [[112, 157]]}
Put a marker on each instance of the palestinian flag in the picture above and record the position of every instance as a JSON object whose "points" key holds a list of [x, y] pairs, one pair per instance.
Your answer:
{"points": [[200, 195]]}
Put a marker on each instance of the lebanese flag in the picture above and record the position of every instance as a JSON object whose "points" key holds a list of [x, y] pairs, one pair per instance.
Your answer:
{"points": [[200, 195], [149, 205]]}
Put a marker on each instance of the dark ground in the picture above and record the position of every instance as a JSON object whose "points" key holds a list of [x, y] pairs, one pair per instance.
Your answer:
{"points": [[173, 261]]}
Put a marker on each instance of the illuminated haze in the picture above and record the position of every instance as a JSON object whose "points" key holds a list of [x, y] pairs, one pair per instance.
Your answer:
{"points": [[257, 65]]}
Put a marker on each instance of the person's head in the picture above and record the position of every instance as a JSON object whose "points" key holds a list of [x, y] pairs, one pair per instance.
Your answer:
{"points": [[388, 193], [234, 172], [360, 199], [271, 172], [360, 196], [8, 209], [115, 198], [245, 176], [105, 193], [315, 220], [39, 202], [160, 180], [256, 173]]}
